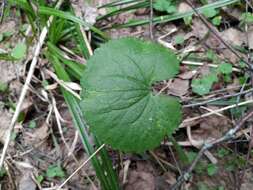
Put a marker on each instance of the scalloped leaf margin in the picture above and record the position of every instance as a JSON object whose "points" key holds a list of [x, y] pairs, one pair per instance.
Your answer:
{"points": [[117, 98]]}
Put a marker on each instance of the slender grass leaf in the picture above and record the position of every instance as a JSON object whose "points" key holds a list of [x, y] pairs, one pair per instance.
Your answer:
{"points": [[167, 18], [71, 17]]}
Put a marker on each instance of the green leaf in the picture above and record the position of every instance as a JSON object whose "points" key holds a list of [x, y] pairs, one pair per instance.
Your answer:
{"points": [[225, 68], [161, 5], [203, 85], [39, 178], [209, 13], [55, 171], [1, 37], [3, 87], [188, 20], [32, 124], [179, 39], [217, 20], [171, 9], [212, 169], [117, 98], [19, 51], [202, 186], [2, 172], [165, 5], [247, 18]]}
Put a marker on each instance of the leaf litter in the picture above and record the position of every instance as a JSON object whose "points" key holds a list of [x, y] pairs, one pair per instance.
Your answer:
{"points": [[50, 151]]}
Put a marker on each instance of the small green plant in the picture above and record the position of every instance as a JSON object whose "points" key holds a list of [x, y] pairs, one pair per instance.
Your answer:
{"points": [[212, 169], [179, 39], [3, 87], [217, 20], [165, 5], [117, 98], [213, 15], [209, 13], [32, 124], [19, 51], [40, 179], [55, 171], [246, 18], [2, 173], [203, 85]]}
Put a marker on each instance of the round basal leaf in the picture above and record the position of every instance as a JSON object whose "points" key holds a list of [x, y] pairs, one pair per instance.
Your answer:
{"points": [[117, 98], [19, 51]]}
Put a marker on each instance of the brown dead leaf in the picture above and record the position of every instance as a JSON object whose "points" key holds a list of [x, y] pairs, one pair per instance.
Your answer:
{"points": [[26, 182], [212, 127], [24, 179], [250, 37], [179, 87], [199, 29], [7, 26], [37, 135], [187, 75], [10, 71], [226, 53], [170, 177], [5, 118], [85, 11], [233, 36], [90, 14], [42, 132], [140, 180], [184, 7], [145, 166], [247, 181]]}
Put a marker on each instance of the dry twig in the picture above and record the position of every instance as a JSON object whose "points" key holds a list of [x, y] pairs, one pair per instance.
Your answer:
{"points": [[26, 85]]}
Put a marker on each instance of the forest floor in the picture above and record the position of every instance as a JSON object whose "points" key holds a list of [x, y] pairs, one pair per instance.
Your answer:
{"points": [[214, 87]]}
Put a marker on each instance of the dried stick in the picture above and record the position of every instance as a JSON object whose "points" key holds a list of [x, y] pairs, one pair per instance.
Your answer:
{"points": [[228, 136], [183, 124], [80, 167], [210, 27], [218, 98], [151, 20], [25, 87]]}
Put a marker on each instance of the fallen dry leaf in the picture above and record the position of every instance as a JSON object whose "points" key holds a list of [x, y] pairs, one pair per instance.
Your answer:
{"points": [[10, 71], [179, 87], [8, 26], [42, 132], [184, 7], [5, 118], [199, 29], [233, 36], [212, 127], [140, 180], [247, 181], [250, 37], [26, 182], [187, 75]]}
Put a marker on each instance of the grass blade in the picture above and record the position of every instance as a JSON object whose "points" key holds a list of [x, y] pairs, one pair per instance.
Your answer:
{"points": [[68, 16], [167, 18], [106, 176]]}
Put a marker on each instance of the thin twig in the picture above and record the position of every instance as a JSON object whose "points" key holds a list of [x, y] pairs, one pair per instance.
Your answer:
{"points": [[218, 98], [209, 65], [210, 27], [3, 5], [63, 84], [151, 20], [228, 136], [80, 167], [25, 87], [184, 123]]}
